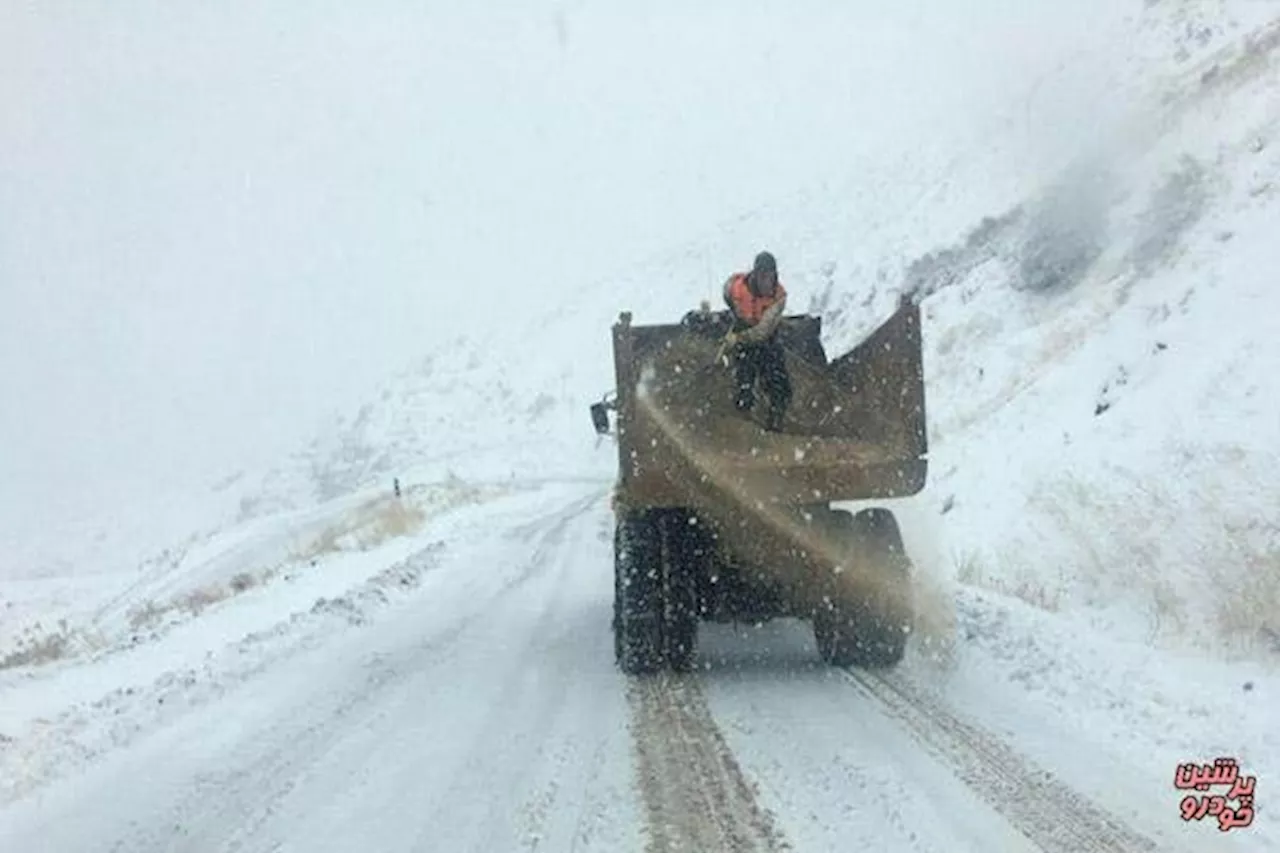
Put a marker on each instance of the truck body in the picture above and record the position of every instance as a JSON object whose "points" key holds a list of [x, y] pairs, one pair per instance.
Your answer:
{"points": [[719, 519]]}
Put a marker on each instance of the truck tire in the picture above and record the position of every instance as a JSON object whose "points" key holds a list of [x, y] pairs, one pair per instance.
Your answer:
{"points": [[683, 554], [873, 637], [834, 639], [616, 625], [638, 594]]}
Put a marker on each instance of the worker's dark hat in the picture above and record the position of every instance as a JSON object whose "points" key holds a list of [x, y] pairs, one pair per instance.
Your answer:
{"points": [[765, 262]]}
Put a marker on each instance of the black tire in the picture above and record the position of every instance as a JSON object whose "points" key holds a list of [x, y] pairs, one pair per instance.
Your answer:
{"points": [[834, 639], [682, 555], [883, 636], [875, 636], [616, 625], [638, 594]]}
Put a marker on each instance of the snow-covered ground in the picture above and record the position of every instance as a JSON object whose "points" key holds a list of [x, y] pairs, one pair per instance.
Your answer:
{"points": [[322, 664]]}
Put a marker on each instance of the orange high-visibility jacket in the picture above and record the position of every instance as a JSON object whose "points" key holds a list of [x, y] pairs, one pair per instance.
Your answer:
{"points": [[746, 305]]}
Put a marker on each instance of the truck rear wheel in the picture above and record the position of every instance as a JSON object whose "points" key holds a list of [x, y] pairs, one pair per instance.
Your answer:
{"points": [[683, 553], [875, 635], [638, 594], [834, 638]]}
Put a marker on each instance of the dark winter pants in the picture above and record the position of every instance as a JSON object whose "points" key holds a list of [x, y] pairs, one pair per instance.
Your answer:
{"points": [[766, 363]]}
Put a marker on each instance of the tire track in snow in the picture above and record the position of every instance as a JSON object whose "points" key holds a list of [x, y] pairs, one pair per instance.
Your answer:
{"points": [[695, 795], [1048, 812]]}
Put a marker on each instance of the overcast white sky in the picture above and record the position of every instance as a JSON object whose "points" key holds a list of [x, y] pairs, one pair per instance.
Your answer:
{"points": [[220, 222]]}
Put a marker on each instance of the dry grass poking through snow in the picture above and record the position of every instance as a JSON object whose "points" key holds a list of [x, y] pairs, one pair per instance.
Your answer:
{"points": [[1037, 587], [368, 526], [1198, 567], [38, 646], [192, 602], [1243, 600], [1248, 614]]}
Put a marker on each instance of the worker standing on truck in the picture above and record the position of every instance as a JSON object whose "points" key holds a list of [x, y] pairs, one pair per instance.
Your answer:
{"points": [[757, 300]]}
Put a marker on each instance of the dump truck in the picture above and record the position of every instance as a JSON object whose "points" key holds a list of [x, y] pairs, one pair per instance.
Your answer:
{"points": [[718, 519]]}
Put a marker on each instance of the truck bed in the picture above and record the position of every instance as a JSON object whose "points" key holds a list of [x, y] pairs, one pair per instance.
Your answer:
{"points": [[854, 431], [845, 437]]}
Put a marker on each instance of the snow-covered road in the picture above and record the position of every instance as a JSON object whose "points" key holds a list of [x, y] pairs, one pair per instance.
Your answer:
{"points": [[479, 709], [484, 714]]}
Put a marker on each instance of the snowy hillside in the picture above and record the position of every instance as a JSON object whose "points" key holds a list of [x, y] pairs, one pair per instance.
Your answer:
{"points": [[1106, 433], [1092, 241]]}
